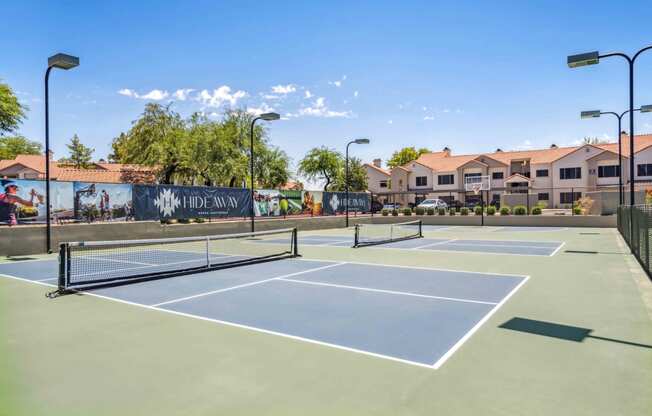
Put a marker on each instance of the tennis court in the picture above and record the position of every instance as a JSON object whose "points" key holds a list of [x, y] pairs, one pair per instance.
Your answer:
{"points": [[401, 324]]}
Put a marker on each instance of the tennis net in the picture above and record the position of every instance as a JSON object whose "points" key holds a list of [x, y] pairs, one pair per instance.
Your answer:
{"points": [[98, 263], [371, 234]]}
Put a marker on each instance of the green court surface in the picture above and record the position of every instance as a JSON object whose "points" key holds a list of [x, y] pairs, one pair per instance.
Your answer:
{"points": [[574, 339]]}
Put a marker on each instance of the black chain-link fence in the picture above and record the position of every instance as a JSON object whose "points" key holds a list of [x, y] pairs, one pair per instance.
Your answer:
{"points": [[634, 225]]}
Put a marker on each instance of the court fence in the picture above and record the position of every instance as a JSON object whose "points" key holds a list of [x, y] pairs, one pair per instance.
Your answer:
{"points": [[634, 223]]}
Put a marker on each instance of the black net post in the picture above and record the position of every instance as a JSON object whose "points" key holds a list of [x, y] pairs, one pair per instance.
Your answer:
{"points": [[356, 235], [295, 242], [63, 259], [420, 228]]}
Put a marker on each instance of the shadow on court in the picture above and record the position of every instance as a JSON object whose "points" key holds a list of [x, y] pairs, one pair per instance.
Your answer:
{"points": [[565, 332]]}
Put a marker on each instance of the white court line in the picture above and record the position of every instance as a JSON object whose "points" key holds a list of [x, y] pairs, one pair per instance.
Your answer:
{"points": [[391, 292], [434, 244], [463, 243], [558, 248], [45, 280], [477, 326], [226, 289], [462, 251], [240, 326]]}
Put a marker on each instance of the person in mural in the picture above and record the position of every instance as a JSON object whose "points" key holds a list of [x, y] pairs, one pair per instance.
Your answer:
{"points": [[105, 205], [9, 202]]}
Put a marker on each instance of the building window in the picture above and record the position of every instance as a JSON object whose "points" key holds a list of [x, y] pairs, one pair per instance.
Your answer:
{"points": [[422, 181], [569, 197], [543, 196], [383, 184], [471, 175], [611, 171], [645, 169], [542, 173], [570, 173], [445, 179], [495, 198], [497, 175]]}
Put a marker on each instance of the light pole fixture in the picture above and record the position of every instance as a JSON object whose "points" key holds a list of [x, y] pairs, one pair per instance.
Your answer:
{"points": [[266, 117], [346, 176], [65, 62], [593, 58], [596, 114]]}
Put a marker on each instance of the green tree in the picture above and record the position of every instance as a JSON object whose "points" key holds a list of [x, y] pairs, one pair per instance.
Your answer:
{"points": [[80, 155], [10, 146], [357, 177], [405, 155], [12, 112], [321, 163], [272, 168]]}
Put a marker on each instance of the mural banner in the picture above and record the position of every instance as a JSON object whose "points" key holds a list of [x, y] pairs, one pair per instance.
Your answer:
{"points": [[272, 202], [102, 201], [153, 202], [23, 201], [335, 202]]}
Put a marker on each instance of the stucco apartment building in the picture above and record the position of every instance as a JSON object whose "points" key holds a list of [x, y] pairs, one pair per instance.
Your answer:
{"points": [[557, 175]]}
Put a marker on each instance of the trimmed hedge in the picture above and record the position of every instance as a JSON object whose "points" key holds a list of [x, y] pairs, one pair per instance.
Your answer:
{"points": [[464, 211], [419, 210], [384, 212], [520, 210], [505, 210], [430, 211], [577, 210], [536, 211], [441, 211], [407, 211], [394, 213], [451, 211], [200, 220], [477, 210], [491, 210]]}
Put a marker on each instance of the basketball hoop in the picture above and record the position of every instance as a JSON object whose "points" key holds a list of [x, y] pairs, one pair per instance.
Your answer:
{"points": [[476, 188]]}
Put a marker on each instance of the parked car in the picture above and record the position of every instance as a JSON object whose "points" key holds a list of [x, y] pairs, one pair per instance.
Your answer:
{"points": [[433, 203], [391, 206]]}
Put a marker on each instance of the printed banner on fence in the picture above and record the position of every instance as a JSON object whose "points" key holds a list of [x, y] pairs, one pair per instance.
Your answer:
{"points": [[335, 202], [23, 201], [168, 201], [272, 202], [312, 202], [102, 201]]}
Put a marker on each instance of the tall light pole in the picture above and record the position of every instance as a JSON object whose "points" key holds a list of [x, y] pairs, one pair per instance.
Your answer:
{"points": [[593, 58], [346, 176], [266, 117], [598, 113], [66, 62]]}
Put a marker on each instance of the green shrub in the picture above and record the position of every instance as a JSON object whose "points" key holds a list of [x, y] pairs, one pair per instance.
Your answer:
{"points": [[477, 210], [384, 212], [505, 210], [536, 211], [419, 210], [491, 210], [577, 210], [520, 210], [441, 211], [451, 211], [430, 211], [394, 213], [200, 220], [407, 211], [464, 211]]}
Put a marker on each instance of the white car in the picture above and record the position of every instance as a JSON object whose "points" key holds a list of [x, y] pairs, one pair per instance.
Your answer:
{"points": [[433, 203]]}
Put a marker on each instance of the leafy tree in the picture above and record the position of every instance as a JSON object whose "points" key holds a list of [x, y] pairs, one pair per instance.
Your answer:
{"points": [[357, 177], [80, 155], [321, 163], [271, 167], [10, 146], [12, 112], [405, 155]]}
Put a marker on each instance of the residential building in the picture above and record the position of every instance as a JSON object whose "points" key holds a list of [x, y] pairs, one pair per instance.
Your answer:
{"points": [[557, 176]]}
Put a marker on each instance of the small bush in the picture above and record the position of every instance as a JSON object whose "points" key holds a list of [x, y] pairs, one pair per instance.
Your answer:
{"points": [[441, 211], [184, 220], [200, 220], [577, 210], [384, 212], [419, 210], [407, 211], [520, 210], [477, 210], [394, 213], [451, 211], [430, 211], [505, 210], [536, 211], [464, 211], [491, 210]]}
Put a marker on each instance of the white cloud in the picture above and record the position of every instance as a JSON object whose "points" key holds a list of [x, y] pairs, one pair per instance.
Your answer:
{"points": [[220, 96], [446, 110], [284, 89], [182, 94], [526, 145], [319, 109], [355, 94], [429, 118], [308, 94], [424, 108], [263, 108], [339, 82], [155, 95], [271, 97], [390, 122]]}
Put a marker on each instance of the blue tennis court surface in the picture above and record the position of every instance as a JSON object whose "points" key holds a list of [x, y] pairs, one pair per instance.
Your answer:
{"points": [[414, 315], [525, 248]]}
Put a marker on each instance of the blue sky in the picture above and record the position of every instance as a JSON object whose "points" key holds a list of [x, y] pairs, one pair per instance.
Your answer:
{"points": [[469, 75]]}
